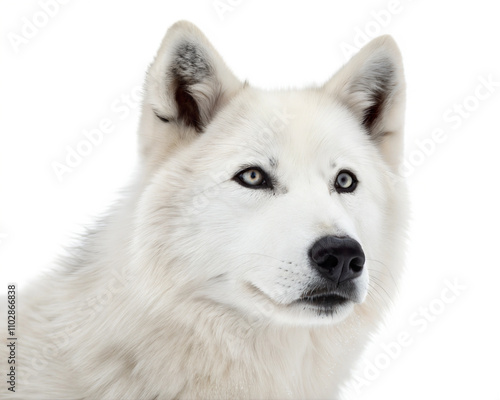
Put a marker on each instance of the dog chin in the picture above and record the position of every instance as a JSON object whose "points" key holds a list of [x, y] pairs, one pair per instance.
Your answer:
{"points": [[304, 313]]}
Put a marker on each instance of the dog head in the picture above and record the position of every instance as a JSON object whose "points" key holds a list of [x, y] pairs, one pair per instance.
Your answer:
{"points": [[277, 202]]}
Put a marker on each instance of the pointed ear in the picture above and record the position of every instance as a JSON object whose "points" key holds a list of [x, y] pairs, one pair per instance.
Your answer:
{"points": [[372, 86], [188, 80]]}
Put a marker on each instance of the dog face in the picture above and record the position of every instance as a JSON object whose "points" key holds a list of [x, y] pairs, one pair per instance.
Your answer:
{"points": [[277, 203]]}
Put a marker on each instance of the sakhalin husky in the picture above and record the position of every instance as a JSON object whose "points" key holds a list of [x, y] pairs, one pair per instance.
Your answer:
{"points": [[255, 251]]}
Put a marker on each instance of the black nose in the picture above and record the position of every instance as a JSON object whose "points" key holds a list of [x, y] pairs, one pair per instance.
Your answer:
{"points": [[338, 259]]}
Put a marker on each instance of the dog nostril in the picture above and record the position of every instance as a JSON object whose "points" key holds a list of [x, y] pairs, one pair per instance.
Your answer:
{"points": [[331, 262], [356, 265]]}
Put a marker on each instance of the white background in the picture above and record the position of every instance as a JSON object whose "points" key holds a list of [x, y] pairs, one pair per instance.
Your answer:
{"points": [[73, 72]]}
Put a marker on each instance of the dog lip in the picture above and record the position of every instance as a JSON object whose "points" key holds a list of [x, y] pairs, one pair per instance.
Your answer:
{"points": [[325, 300]]}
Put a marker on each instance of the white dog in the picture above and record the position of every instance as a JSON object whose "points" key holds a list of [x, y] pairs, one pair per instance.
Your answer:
{"points": [[255, 251]]}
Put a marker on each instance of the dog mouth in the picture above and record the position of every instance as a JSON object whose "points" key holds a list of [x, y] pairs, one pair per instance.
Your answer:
{"points": [[324, 301], [327, 298]]}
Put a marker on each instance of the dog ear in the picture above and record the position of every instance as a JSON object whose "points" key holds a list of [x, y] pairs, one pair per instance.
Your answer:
{"points": [[372, 86], [188, 80]]}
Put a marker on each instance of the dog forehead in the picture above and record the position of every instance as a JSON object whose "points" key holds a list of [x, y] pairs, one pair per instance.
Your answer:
{"points": [[301, 125]]}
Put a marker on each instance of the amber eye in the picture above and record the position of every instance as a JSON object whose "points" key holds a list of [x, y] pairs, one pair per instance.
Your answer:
{"points": [[345, 182], [253, 178]]}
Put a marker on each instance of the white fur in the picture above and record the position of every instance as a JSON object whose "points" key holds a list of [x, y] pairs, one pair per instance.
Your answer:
{"points": [[184, 290]]}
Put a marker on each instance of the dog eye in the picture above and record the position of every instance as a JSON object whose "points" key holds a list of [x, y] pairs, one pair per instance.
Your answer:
{"points": [[345, 182], [253, 177]]}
